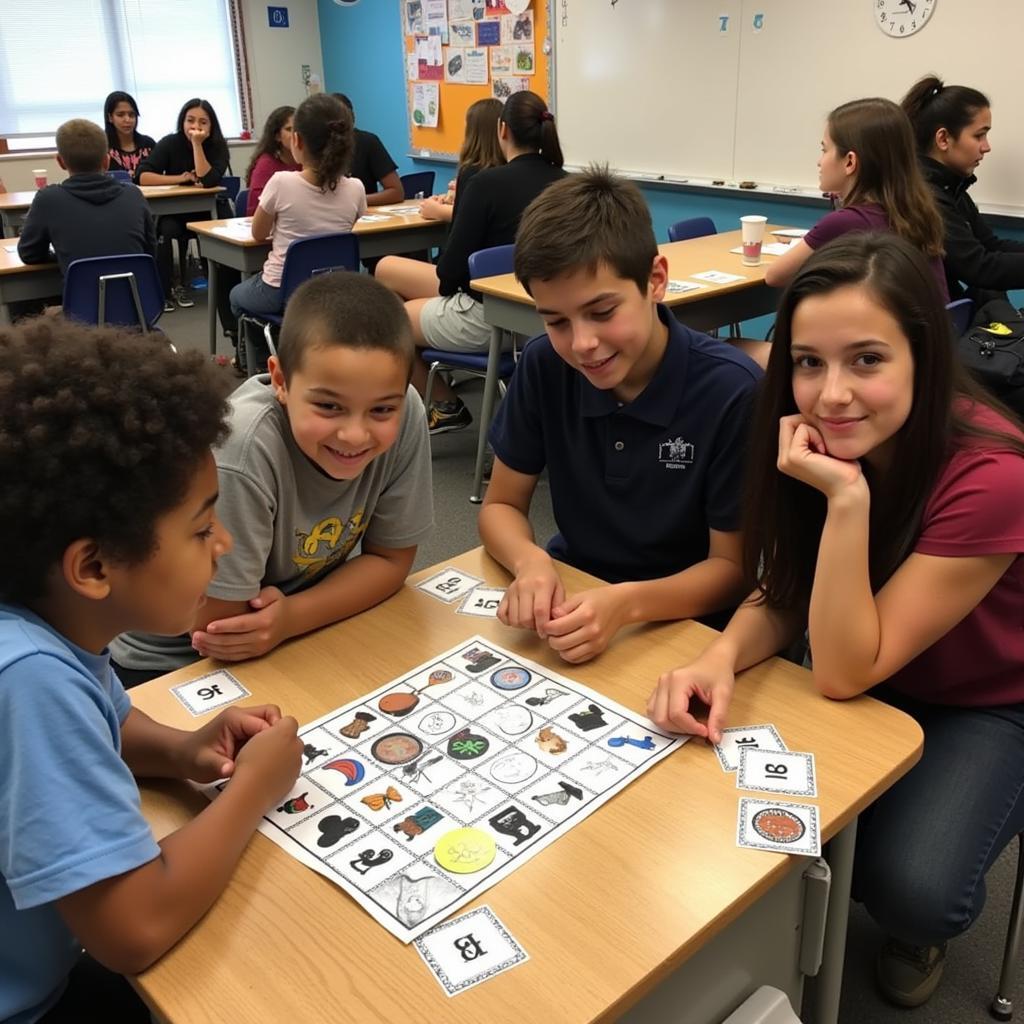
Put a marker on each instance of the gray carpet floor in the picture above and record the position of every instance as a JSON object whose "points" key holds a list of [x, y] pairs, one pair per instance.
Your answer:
{"points": [[973, 961]]}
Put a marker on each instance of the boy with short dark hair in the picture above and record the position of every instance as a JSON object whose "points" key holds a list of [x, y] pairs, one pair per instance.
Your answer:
{"points": [[639, 420], [107, 509], [326, 452], [89, 213]]}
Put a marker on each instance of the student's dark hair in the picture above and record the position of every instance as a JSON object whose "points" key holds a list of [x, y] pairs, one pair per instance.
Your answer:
{"points": [[533, 126], [109, 105], [931, 105], [784, 517], [269, 144], [344, 99], [101, 434], [480, 145], [328, 134], [888, 172], [82, 146], [347, 309], [215, 144], [584, 220]]}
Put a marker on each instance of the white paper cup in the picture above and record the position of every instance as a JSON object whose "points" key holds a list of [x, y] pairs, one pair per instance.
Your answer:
{"points": [[752, 229], [40, 177]]}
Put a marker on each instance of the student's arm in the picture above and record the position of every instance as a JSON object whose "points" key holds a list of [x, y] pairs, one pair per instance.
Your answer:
{"points": [[156, 168], [435, 208], [754, 633], [783, 269], [974, 256], [391, 191], [384, 169], [128, 921], [34, 240], [360, 583], [262, 224], [508, 537], [582, 626], [261, 174]]}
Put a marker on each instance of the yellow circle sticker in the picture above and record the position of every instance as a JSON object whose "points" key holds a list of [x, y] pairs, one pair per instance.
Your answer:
{"points": [[464, 850]]}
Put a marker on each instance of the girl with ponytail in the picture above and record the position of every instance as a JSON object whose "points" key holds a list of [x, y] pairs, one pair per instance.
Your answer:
{"points": [[296, 204]]}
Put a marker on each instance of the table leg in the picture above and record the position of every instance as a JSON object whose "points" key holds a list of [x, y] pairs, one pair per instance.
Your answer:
{"points": [[486, 410], [211, 300], [5, 315], [830, 976]]}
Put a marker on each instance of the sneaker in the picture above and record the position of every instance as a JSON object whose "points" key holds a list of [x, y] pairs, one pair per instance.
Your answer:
{"points": [[446, 416], [182, 297], [169, 306], [908, 975]]}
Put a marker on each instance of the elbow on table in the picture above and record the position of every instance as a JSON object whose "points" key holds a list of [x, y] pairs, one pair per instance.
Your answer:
{"points": [[837, 688]]}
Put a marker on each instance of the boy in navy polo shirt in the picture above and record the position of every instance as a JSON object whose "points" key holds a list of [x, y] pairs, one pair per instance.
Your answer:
{"points": [[640, 421]]}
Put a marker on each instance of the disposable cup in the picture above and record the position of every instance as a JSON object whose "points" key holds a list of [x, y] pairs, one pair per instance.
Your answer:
{"points": [[752, 229], [40, 177]]}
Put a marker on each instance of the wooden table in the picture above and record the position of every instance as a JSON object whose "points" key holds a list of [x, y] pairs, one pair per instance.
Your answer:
{"points": [[508, 307], [651, 883], [21, 281], [401, 232], [162, 200]]}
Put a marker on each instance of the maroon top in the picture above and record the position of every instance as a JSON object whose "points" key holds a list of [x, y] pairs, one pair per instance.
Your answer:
{"points": [[869, 217], [976, 508], [266, 167]]}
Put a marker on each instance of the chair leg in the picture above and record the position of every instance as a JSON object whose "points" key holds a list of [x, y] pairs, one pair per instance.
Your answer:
{"points": [[428, 390], [491, 382], [1002, 1004]]}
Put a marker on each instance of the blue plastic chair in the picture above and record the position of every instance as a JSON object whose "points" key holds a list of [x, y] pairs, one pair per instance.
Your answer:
{"points": [[241, 202], [494, 365], [693, 227], [318, 254], [120, 290], [961, 313], [231, 183], [420, 184], [119, 175]]}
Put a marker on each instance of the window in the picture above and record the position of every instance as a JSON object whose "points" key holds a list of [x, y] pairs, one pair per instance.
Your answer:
{"points": [[60, 60]]}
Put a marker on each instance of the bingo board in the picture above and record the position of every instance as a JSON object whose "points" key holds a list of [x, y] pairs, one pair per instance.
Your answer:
{"points": [[423, 794]]}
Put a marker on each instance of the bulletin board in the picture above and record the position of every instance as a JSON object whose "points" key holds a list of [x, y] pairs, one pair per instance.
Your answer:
{"points": [[469, 50]]}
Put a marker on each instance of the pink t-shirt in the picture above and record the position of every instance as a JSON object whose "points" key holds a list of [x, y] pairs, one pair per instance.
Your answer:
{"points": [[302, 209], [976, 508]]}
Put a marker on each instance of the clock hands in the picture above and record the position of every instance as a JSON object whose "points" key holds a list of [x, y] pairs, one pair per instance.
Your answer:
{"points": [[910, 5]]}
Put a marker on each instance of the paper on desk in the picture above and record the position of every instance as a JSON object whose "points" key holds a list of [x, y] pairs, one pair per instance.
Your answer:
{"points": [[398, 209], [790, 232], [234, 229], [771, 248], [159, 188], [369, 218], [11, 248], [677, 287], [718, 277]]}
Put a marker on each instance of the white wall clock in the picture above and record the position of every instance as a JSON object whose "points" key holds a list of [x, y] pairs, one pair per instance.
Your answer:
{"points": [[901, 18]]}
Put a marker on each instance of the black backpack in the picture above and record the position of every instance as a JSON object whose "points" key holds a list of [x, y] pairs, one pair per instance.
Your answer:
{"points": [[993, 348]]}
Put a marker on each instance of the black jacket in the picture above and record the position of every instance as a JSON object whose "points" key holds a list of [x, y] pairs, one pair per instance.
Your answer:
{"points": [[977, 260], [489, 208], [173, 155], [86, 215]]}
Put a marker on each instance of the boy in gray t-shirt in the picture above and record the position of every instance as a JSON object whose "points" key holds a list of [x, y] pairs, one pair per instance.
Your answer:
{"points": [[328, 451]]}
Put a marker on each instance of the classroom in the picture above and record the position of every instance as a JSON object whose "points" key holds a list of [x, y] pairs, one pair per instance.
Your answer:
{"points": [[552, 468]]}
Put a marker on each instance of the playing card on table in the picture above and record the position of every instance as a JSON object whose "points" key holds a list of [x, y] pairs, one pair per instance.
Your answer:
{"points": [[469, 949], [449, 584], [482, 601], [736, 737], [779, 827], [213, 690], [776, 771], [718, 277]]}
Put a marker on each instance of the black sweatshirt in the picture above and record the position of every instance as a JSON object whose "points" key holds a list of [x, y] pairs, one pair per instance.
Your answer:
{"points": [[86, 215], [173, 155], [975, 255]]}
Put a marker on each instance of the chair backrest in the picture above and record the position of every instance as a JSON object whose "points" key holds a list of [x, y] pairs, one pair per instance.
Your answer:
{"points": [[499, 259], [961, 313], [693, 227], [241, 202], [119, 175], [317, 254], [122, 290], [231, 183], [422, 182]]}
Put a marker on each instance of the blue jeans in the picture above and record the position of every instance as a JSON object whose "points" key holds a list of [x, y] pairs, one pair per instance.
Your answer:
{"points": [[924, 846], [254, 295]]}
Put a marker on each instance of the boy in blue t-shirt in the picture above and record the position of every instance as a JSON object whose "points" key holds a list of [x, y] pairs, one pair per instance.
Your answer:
{"points": [[639, 421], [107, 509]]}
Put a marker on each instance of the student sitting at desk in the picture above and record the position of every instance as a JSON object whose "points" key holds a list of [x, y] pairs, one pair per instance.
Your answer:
{"points": [[89, 213], [868, 161], [105, 438], [886, 515], [127, 146], [952, 124], [640, 422], [372, 164], [273, 153], [452, 317], [327, 452]]}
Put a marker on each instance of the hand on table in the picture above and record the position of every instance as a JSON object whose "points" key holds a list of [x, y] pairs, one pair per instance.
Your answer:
{"points": [[532, 595], [707, 681], [248, 635], [209, 753], [270, 762], [583, 625]]}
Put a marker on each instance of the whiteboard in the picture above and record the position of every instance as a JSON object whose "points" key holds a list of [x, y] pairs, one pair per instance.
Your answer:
{"points": [[655, 87]]}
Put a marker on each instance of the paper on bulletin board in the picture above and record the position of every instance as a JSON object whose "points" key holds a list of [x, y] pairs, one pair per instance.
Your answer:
{"points": [[412, 67], [465, 10], [464, 66], [517, 6], [502, 60], [488, 32], [525, 63], [517, 28], [496, 7], [414, 24], [428, 55], [435, 18], [502, 88], [461, 33], [425, 101]]}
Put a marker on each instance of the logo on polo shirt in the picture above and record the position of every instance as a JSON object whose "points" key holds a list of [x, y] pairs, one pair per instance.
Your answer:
{"points": [[676, 453]]}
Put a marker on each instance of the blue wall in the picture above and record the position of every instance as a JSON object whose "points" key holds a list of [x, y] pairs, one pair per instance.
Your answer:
{"points": [[363, 57]]}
